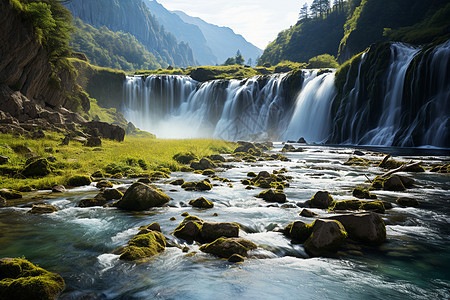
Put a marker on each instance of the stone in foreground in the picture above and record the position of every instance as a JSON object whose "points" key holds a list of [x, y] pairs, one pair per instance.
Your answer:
{"points": [[140, 196], [326, 237], [226, 247], [365, 227], [144, 246]]}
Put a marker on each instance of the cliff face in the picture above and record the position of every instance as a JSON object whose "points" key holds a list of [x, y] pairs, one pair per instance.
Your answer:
{"points": [[25, 68], [133, 16]]}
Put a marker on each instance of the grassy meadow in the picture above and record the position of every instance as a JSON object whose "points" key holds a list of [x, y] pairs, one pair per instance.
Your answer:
{"points": [[133, 156]]}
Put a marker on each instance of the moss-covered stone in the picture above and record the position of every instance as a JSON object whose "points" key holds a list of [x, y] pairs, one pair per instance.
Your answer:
{"points": [[42, 209], [189, 229], [208, 172], [158, 175], [226, 247], [273, 196], [299, 231], [177, 182], [102, 184], [376, 206], [393, 183], [140, 196], [204, 164], [366, 227], [363, 193], [201, 203], [20, 279], [37, 168], [357, 161], [251, 174], [79, 180], [98, 174], [143, 246], [355, 204], [377, 183], [321, 199], [211, 231], [203, 186], [112, 194], [10, 194], [407, 202], [326, 237]]}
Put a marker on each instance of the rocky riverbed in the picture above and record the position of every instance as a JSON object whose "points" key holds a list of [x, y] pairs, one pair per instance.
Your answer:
{"points": [[301, 221]]}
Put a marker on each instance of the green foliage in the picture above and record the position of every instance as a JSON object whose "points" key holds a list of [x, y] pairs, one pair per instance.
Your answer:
{"points": [[52, 24], [323, 61], [110, 49], [238, 59]]}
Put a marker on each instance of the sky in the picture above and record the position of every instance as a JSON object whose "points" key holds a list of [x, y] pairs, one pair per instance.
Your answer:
{"points": [[259, 21]]}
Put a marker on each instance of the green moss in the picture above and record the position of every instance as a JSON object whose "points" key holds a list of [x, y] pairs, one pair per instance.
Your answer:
{"points": [[376, 206], [300, 231], [346, 205], [79, 180], [185, 157], [20, 279], [203, 185], [363, 193], [226, 247], [201, 203], [37, 168], [377, 183], [144, 246], [357, 161]]}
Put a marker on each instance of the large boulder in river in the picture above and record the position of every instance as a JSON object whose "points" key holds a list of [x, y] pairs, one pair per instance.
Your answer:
{"points": [[326, 237], [211, 231], [144, 246], [365, 227], [140, 196], [203, 164], [42, 209], [201, 203], [189, 229], [407, 202], [273, 196], [394, 183], [321, 199], [20, 279], [226, 247]]}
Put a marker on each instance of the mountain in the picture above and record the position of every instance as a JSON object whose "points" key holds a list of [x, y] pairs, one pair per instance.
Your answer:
{"points": [[117, 50], [133, 16], [222, 40], [183, 32], [349, 29]]}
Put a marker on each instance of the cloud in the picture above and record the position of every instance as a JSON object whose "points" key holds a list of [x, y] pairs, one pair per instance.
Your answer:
{"points": [[259, 21]]}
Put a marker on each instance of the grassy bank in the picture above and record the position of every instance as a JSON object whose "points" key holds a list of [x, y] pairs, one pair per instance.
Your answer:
{"points": [[135, 155]]}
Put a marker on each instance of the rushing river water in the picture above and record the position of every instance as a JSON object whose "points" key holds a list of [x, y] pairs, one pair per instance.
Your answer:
{"points": [[77, 242]]}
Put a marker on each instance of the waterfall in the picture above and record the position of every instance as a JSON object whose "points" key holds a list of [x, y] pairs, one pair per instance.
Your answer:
{"points": [[400, 97]]}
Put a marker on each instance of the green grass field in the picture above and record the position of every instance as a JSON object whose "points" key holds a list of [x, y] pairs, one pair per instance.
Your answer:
{"points": [[135, 155]]}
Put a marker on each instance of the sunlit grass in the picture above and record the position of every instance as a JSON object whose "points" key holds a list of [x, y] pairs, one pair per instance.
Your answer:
{"points": [[78, 159]]}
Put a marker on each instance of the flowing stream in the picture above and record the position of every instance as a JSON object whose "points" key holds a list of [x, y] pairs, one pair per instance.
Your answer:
{"points": [[78, 242]]}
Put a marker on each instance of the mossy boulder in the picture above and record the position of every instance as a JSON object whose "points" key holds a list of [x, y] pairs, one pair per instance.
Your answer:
{"points": [[363, 227], [326, 237], [273, 196], [103, 184], [226, 247], [144, 246], [377, 183], [20, 279], [140, 196], [79, 180], [98, 174], [211, 231], [37, 168], [10, 194], [352, 204], [236, 258], [185, 157], [177, 182], [92, 202], [407, 202], [2, 202], [152, 227], [203, 164], [203, 186], [394, 183], [363, 193], [357, 161], [42, 209], [321, 199], [112, 194], [298, 231], [208, 172], [308, 213], [189, 229], [217, 157], [190, 185], [201, 203], [251, 174]]}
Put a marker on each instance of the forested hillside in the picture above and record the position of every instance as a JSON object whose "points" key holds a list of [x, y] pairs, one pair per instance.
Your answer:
{"points": [[348, 27], [133, 16], [117, 50]]}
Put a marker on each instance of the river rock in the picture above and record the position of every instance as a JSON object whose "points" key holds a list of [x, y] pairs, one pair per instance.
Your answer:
{"points": [[236, 258], [321, 199], [308, 213], [140, 196], [37, 168], [362, 193], [288, 148], [185, 157], [143, 246], [58, 189], [203, 186], [226, 247], [217, 157], [2, 202], [408, 182], [21, 279], [10, 194], [177, 182], [103, 184], [203, 164], [79, 180], [407, 202], [42, 209], [364, 227], [211, 231], [326, 237], [394, 183], [153, 226], [298, 231], [273, 196], [301, 140], [201, 203], [111, 194], [91, 202], [189, 229]]}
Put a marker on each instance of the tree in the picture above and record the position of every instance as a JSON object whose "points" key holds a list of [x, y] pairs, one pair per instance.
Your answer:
{"points": [[230, 61], [239, 58], [304, 12]]}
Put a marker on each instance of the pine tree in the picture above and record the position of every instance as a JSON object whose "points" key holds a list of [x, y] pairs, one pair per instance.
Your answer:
{"points": [[304, 12]]}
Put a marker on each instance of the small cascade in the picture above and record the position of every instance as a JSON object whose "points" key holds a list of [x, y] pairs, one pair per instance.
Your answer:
{"points": [[311, 118]]}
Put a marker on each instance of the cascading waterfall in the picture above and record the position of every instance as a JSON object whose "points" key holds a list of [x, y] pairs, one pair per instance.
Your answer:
{"points": [[404, 102], [257, 107]]}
